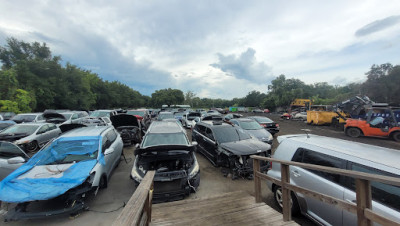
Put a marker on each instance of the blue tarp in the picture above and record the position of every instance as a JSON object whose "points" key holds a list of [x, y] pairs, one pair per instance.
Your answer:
{"points": [[17, 190]]}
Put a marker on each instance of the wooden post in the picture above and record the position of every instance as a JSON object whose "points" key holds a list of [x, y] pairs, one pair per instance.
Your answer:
{"points": [[257, 180], [149, 203], [364, 201], [286, 209]]}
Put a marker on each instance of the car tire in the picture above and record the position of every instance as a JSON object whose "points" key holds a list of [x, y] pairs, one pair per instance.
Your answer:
{"points": [[32, 146], [396, 136], [278, 200], [353, 132]]}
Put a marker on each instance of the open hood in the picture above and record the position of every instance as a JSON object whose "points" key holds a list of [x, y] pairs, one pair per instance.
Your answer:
{"points": [[67, 127], [12, 136], [164, 148], [124, 120], [54, 117]]}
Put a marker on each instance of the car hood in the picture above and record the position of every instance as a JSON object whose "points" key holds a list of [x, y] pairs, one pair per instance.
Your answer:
{"points": [[124, 120], [260, 133], [54, 117], [164, 148], [246, 147], [12, 136]]}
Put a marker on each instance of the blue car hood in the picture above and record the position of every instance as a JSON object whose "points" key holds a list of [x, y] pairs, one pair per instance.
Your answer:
{"points": [[24, 185]]}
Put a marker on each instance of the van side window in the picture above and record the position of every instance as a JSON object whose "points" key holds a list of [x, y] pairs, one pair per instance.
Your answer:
{"points": [[386, 194], [201, 129], [316, 158], [209, 134]]}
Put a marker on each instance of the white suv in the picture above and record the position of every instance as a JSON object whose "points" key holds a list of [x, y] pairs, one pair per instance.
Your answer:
{"points": [[332, 152]]}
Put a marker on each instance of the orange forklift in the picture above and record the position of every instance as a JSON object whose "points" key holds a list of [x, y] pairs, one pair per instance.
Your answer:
{"points": [[381, 121]]}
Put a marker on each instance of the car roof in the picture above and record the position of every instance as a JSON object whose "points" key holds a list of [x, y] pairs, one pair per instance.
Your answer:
{"points": [[243, 119], [30, 114], [165, 127], [89, 131], [380, 155], [212, 123], [35, 123]]}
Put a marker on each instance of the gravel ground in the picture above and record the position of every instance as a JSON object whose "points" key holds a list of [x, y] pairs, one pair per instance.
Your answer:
{"points": [[105, 207]]}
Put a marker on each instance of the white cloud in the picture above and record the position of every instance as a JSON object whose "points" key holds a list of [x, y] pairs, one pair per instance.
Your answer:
{"points": [[159, 44]]}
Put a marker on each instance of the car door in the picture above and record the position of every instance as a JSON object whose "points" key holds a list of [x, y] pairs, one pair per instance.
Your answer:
{"points": [[198, 136], [385, 198], [53, 131], [42, 135], [325, 183], [112, 150], [210, 145], [7, 151]]}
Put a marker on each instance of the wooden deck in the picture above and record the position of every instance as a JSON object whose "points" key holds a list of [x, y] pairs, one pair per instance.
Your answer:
{"points": [[235, 208]]}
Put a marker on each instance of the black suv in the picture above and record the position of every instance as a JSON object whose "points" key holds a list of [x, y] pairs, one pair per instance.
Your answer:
{"points": [[167, 150], [229, 146]]}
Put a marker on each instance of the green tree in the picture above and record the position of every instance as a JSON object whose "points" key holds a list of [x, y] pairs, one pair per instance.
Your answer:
{"points": [[167, 96]]}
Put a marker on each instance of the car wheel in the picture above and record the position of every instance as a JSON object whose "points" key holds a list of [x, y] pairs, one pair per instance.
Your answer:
{"points": [[279, 200], [32, 146], [396, 136], [353, 132]]}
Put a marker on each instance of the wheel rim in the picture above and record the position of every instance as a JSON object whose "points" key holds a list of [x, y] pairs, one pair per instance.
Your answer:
{"points": [[278, 197], [354, 132], [32, 146]]}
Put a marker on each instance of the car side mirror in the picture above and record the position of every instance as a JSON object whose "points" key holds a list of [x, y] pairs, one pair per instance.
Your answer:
{"points": [[108, 151], [16, 160]]}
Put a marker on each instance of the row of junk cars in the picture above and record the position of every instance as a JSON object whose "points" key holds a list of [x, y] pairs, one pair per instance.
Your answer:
{"points": [[64, 156]]}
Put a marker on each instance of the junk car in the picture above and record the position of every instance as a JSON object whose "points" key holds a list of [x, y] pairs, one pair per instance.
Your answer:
{"points": [[254, 128], [229, 146], [167, 150], [65, 171], [129, 127], [11, 157], [30, 136]]}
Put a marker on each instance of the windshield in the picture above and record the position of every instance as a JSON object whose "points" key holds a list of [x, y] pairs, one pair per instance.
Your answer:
{"points": [[165, 139], [140, 113], [9, 150], [68, 151], [228, 134], [165, 116], [25, 118], [100, 114], [23, 129], [67, 115], [263, 120], [250, 125]]}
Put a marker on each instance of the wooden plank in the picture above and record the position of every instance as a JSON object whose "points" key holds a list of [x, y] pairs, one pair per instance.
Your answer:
{"points": [[212, 207], [364, 201], [286, 207], [132, 212], [257, 180], [350, 173], [217, 196], [379, 218]]}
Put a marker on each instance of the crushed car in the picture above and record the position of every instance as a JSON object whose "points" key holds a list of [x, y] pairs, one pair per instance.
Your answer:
{"points": [[65, 171], [129, 127], [167, 150]]}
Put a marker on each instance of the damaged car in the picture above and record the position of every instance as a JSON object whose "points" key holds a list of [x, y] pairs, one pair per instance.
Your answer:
{"points": [[229, 146], [65, 171], [30, 136], [190, 119], [11, 158], [129, 127], [167, 150]]}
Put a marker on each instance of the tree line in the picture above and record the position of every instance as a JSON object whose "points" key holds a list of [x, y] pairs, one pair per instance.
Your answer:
{"points": [[32, 79]]}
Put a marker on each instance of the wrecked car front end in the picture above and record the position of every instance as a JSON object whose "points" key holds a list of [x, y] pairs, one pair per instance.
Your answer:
{"points": [[177, 170], [129, 127], [54, 181]]}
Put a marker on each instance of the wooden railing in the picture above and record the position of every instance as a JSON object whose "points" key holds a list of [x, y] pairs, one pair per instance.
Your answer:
{"points": [[362, 207], [138, 209]]}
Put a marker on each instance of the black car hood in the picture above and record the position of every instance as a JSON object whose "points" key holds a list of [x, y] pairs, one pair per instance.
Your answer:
{"points": [[164, 148], [259, 133], [67, 127], [12, 136], [246, 147], [54, 117], [124, 120]]}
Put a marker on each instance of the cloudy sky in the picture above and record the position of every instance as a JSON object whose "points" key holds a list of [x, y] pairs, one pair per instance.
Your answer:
{"points": [[217, 49]]}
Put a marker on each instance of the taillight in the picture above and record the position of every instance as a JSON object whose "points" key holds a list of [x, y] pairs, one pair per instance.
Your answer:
{"points": [[139, 117], [277, 125]]}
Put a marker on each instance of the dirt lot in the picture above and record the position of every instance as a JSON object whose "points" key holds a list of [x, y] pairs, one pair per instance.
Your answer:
{"points": [[105, 207]]}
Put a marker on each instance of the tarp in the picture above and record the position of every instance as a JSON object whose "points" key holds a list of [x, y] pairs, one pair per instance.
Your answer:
{"points": [[17, 190]]}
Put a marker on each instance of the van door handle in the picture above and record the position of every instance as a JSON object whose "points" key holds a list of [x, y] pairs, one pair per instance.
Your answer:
{"points": [[296, 173]]}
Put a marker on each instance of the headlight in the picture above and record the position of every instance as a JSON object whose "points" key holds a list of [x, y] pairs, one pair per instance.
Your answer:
{"points": [[271, 137], [135, 174], [195, 169], [241, 160]]}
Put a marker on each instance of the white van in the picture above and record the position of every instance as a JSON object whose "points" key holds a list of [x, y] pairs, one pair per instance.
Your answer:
{"points": [[343, 154]]}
